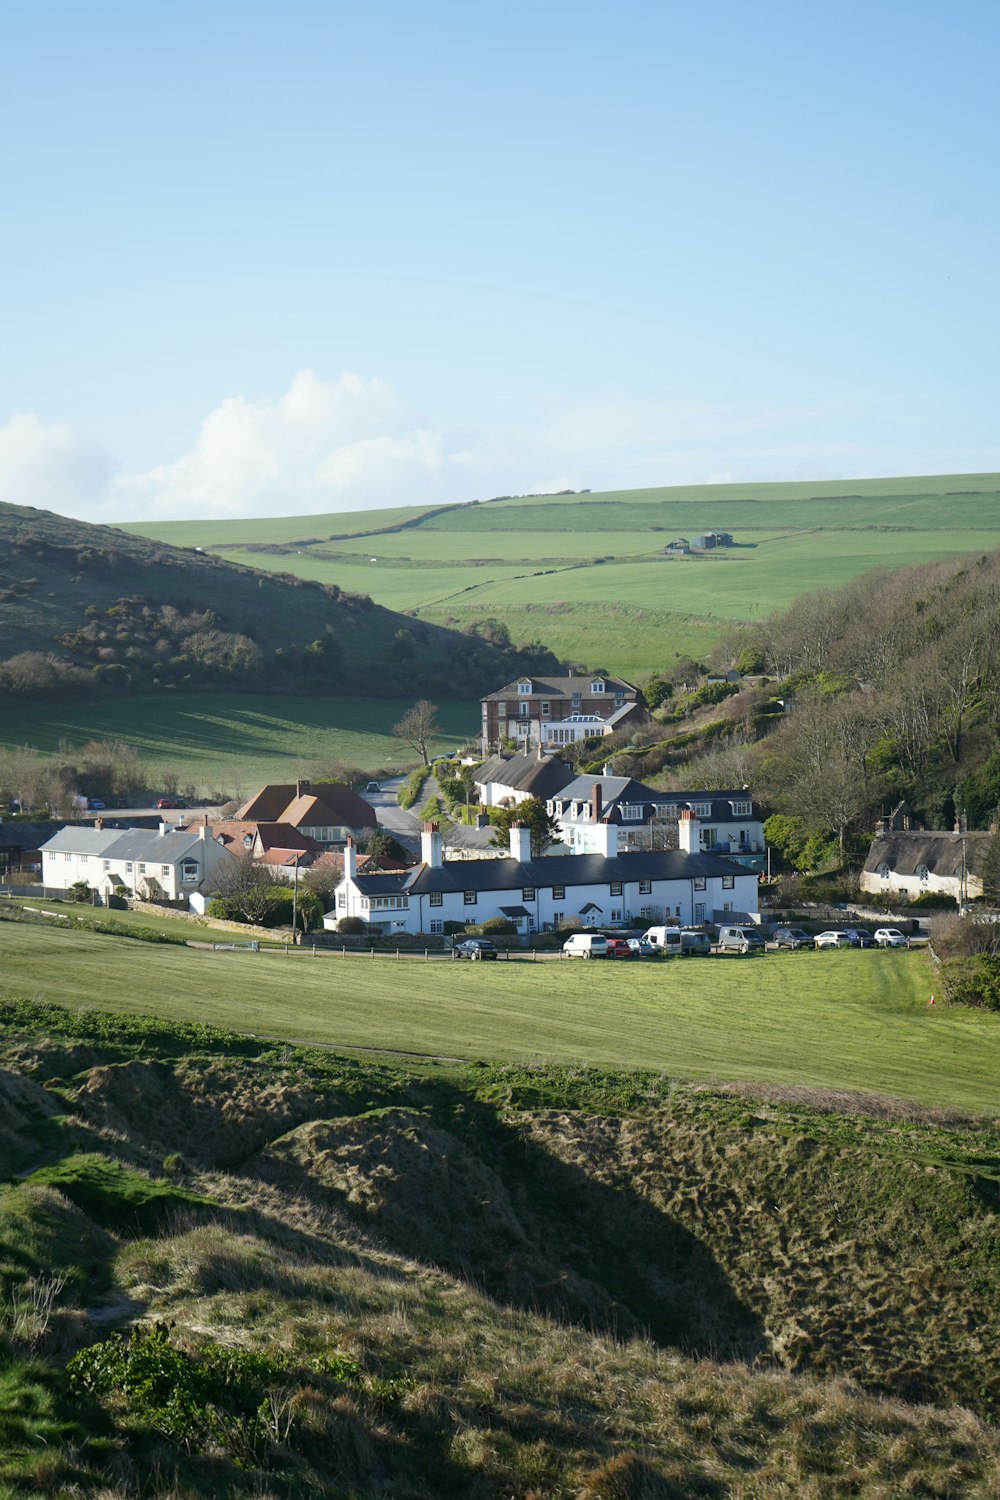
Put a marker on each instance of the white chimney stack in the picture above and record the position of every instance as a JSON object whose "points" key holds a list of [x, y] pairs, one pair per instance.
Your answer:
{"points": [[203, 831], [687, 832], [350, 860], [520, 842], [162, 829], [430, 846], [606, 839]]}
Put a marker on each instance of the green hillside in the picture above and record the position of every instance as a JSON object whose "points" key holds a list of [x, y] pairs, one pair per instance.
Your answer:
{"points": [[586, 574], [91, 609], [237, 1268]]}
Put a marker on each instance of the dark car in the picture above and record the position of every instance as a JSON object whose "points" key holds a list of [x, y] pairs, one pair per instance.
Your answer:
{"points": [[474, 948], [619, 948], [793, 937], [859, 938]]}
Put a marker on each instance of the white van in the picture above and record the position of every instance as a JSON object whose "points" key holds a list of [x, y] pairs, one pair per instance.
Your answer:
{"points": [[664, 939], [586, 945]]}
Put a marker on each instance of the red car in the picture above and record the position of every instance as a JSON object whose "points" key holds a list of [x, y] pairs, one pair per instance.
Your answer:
{"points": [[173, 802], [618, 948]]}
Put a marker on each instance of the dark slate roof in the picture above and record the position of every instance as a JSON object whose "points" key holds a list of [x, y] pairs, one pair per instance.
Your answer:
{"points": [[540, 776], [565, 687], [904, 853], [24, 835], [553, 869], [620, 789]]}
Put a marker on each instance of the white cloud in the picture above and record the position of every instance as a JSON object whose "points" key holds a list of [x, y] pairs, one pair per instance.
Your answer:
{"points": [[353, 444], [50, 466]]}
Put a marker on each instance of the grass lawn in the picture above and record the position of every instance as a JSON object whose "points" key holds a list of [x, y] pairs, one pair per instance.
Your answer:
{"points": [[234, 743], [833, 1020], [167, 922]]}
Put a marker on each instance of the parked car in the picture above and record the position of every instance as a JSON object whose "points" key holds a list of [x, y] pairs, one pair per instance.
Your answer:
{"points": [[860, 937], [741, 940], [641, 948], [664, 939], [695, 942], [891, 937], [586, 945], [95, 804], [171, 802], [373, 786], [835, 938], [619, 948], [793, 937], [475, 948]]}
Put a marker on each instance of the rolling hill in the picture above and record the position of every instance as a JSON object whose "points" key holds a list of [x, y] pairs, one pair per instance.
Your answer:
{"points": [[586, 574], [88, 610]]}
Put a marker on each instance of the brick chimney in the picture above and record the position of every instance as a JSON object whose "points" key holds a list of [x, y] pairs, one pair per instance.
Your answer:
{"points": [[520, 842], [98, 823], [430, 846], [596, 802], [303, 787], [687, 831]]}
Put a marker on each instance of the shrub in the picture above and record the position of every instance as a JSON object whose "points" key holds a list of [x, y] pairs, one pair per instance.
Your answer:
{"points": [[935, 901], [498, 925], [412, 787], [973, 981], [351, 926]]}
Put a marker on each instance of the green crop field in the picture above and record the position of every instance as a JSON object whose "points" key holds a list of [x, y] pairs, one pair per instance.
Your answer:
{"points": [[233, 743], [586, 575], [857, 1021]]}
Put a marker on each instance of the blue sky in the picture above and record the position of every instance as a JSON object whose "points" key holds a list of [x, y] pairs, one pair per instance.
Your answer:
{"points": [[261, 258]]}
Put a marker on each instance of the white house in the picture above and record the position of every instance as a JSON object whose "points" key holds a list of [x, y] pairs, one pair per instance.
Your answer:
{"points": [[648, 819], [604, 889], [153, 864], [903, 865], [505, 780]]}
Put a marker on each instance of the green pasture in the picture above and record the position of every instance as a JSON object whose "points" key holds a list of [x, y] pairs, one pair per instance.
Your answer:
{"points": [[237, 742], [213, 534], [851, 1020], [574, 570]]}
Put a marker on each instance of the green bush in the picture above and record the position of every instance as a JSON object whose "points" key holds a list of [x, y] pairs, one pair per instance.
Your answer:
{"points": [[973, 981], [935, 901], [412, 787], [498, 925], [351, 926]]}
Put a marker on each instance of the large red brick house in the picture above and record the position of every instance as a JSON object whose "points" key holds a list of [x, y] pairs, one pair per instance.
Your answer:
{"points": [[553, 711]]}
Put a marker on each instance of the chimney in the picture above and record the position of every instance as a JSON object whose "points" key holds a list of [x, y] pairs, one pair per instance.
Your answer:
{"points": [[596, 802], [303, 787], [687, 831], [520, 842], [162, 829], [430, 846], [350, 860], [98, 823], [203, 830], [606, 838]]}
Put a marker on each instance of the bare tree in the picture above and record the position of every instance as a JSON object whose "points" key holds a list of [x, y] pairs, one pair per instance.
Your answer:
{"points": [[418, 727]]}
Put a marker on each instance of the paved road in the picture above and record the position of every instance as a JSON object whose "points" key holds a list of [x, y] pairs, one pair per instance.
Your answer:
{"points": [[169, 815], [403, 825]]}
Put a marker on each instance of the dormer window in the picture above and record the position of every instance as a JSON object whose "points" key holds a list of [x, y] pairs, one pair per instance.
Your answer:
{"points": [[923, 873], [740, 809], [248, 841], [597, 686], [524, 687], [883, 871]]}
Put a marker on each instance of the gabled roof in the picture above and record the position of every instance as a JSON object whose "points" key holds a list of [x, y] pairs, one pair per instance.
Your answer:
{"points": [[564, 687], [540, 776], [329, 805], [75, 840], [552, 869], [942, 853], [24, 835]]}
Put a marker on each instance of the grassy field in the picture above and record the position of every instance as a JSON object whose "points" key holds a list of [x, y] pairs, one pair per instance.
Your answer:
{"points": [[585, 574], [856, 1021], [235, 742]]}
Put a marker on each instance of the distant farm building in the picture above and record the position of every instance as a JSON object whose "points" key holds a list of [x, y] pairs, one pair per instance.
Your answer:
{"points": [[712, 539]]}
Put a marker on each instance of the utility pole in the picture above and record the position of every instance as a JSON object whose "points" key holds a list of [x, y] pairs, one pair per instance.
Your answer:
{"points": [[295, 900]]}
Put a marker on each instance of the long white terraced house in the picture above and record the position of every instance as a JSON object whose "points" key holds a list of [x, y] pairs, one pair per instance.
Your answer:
{"points": [[605, 889]]}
